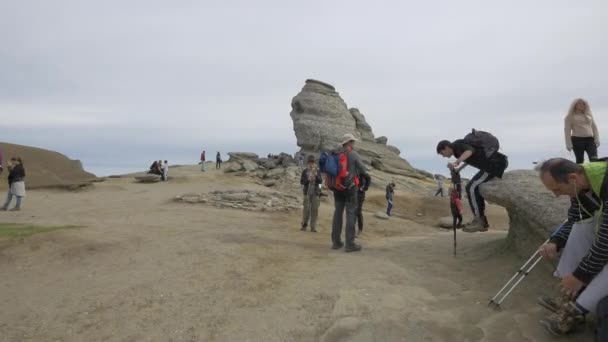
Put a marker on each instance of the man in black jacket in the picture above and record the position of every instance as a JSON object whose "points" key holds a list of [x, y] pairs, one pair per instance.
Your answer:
{"points": [[489, 167]]}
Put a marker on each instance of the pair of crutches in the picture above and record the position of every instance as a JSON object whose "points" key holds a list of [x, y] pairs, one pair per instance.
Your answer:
{"points": [[519, 276]]}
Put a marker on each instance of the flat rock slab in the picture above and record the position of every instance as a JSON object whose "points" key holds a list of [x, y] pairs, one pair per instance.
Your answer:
{"points": [[381, 215], [147, 179], [446, 222]]}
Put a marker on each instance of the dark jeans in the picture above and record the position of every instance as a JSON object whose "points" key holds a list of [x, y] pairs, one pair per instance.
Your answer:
{"points": [[476, 201], [218, 164], [359, 211], [439, 191], [581, 145], [344, 201]]}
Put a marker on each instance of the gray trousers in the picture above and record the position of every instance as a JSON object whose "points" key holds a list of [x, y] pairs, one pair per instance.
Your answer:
{"points": [[579, 243], [311, 210], [344, 201]]}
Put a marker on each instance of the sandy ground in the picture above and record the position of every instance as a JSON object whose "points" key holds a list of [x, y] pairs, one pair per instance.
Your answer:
{"points": [[145, 268]]}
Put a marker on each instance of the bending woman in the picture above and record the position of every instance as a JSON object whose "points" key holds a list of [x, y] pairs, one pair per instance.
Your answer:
{"points": [[581, 131]]}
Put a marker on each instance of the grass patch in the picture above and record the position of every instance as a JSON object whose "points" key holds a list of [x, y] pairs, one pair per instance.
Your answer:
{"points": [[17, 231]]}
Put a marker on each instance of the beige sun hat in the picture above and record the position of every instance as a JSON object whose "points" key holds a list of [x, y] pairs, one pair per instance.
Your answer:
{"points": [[348, 137]]}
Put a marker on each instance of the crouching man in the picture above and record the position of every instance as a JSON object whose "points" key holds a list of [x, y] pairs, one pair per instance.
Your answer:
{"points": [[582, 240]]}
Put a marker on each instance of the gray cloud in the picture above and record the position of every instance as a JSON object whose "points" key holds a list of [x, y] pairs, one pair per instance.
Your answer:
{"points": [[120, 76]]}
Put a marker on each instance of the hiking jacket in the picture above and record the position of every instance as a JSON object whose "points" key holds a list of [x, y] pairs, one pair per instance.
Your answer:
{"points": [[389, 192], [355, 167], [16, 174], [304, 180], [495, 165], [203, 156], [593, 201]]}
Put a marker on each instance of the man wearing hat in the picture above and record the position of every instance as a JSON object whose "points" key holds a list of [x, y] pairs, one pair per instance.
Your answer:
{"points": [[346, 200]]}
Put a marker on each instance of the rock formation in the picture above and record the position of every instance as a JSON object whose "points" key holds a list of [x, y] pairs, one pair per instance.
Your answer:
{"points": [[245, 200], [320, 118], [534, 212], [46, 168]]}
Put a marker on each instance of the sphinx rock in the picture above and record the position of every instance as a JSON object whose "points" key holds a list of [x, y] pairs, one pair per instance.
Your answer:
{"points": [[320, 119]]}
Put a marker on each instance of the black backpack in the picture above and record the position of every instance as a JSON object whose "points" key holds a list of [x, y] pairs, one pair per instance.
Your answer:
{"points": [[483, 140]]}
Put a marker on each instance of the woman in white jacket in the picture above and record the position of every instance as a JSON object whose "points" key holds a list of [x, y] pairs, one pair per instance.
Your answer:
{"points": [[581, 131]]}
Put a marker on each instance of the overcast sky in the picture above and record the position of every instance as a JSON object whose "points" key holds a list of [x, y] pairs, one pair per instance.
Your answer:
{"points": [[122, 82]]}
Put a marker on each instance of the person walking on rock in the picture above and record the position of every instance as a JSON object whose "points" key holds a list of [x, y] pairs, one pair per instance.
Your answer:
{"points": [[363, 187], [581, 131], [1, 163], [582, 240], [390, 192], [311, 181], [16, 183], [345, 195], [480, 150], [218, 160], [203, 159]]}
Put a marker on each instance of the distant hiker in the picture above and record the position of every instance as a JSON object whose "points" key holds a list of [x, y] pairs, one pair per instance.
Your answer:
{"points": [[439, 179], [390, 192], [363, 187], [269, 156], [16, 183], [311, 181], [300, 156], [203, 159], [455, 207], [218, 160], [1, 163], [582, 240], [165, 171], [480, 150], [581, 131], [343, 170]]}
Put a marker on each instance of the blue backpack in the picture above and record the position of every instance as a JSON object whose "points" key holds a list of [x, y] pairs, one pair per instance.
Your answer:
{"points": [[333, 166]]}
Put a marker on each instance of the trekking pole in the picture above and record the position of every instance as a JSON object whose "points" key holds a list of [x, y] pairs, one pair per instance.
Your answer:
{"points": [[518, 277]]}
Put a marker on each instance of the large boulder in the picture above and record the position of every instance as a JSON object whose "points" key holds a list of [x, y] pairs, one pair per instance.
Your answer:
{"points": [[241, 162], [534, 212], [320, 119]]}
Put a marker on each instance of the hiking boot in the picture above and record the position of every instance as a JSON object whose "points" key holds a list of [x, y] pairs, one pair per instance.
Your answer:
{"points": [[475, 226], [313, 230], [567, 319], [551, 304], [4, 208], [303, 228], [352, 248], [15, 209], [337, 245]]}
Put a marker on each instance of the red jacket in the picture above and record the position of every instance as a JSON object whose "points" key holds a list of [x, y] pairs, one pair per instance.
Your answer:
{"points": [[203, 156]]}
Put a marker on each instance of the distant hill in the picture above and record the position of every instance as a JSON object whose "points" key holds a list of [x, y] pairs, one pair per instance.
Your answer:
{"points": [[44, 168]]}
